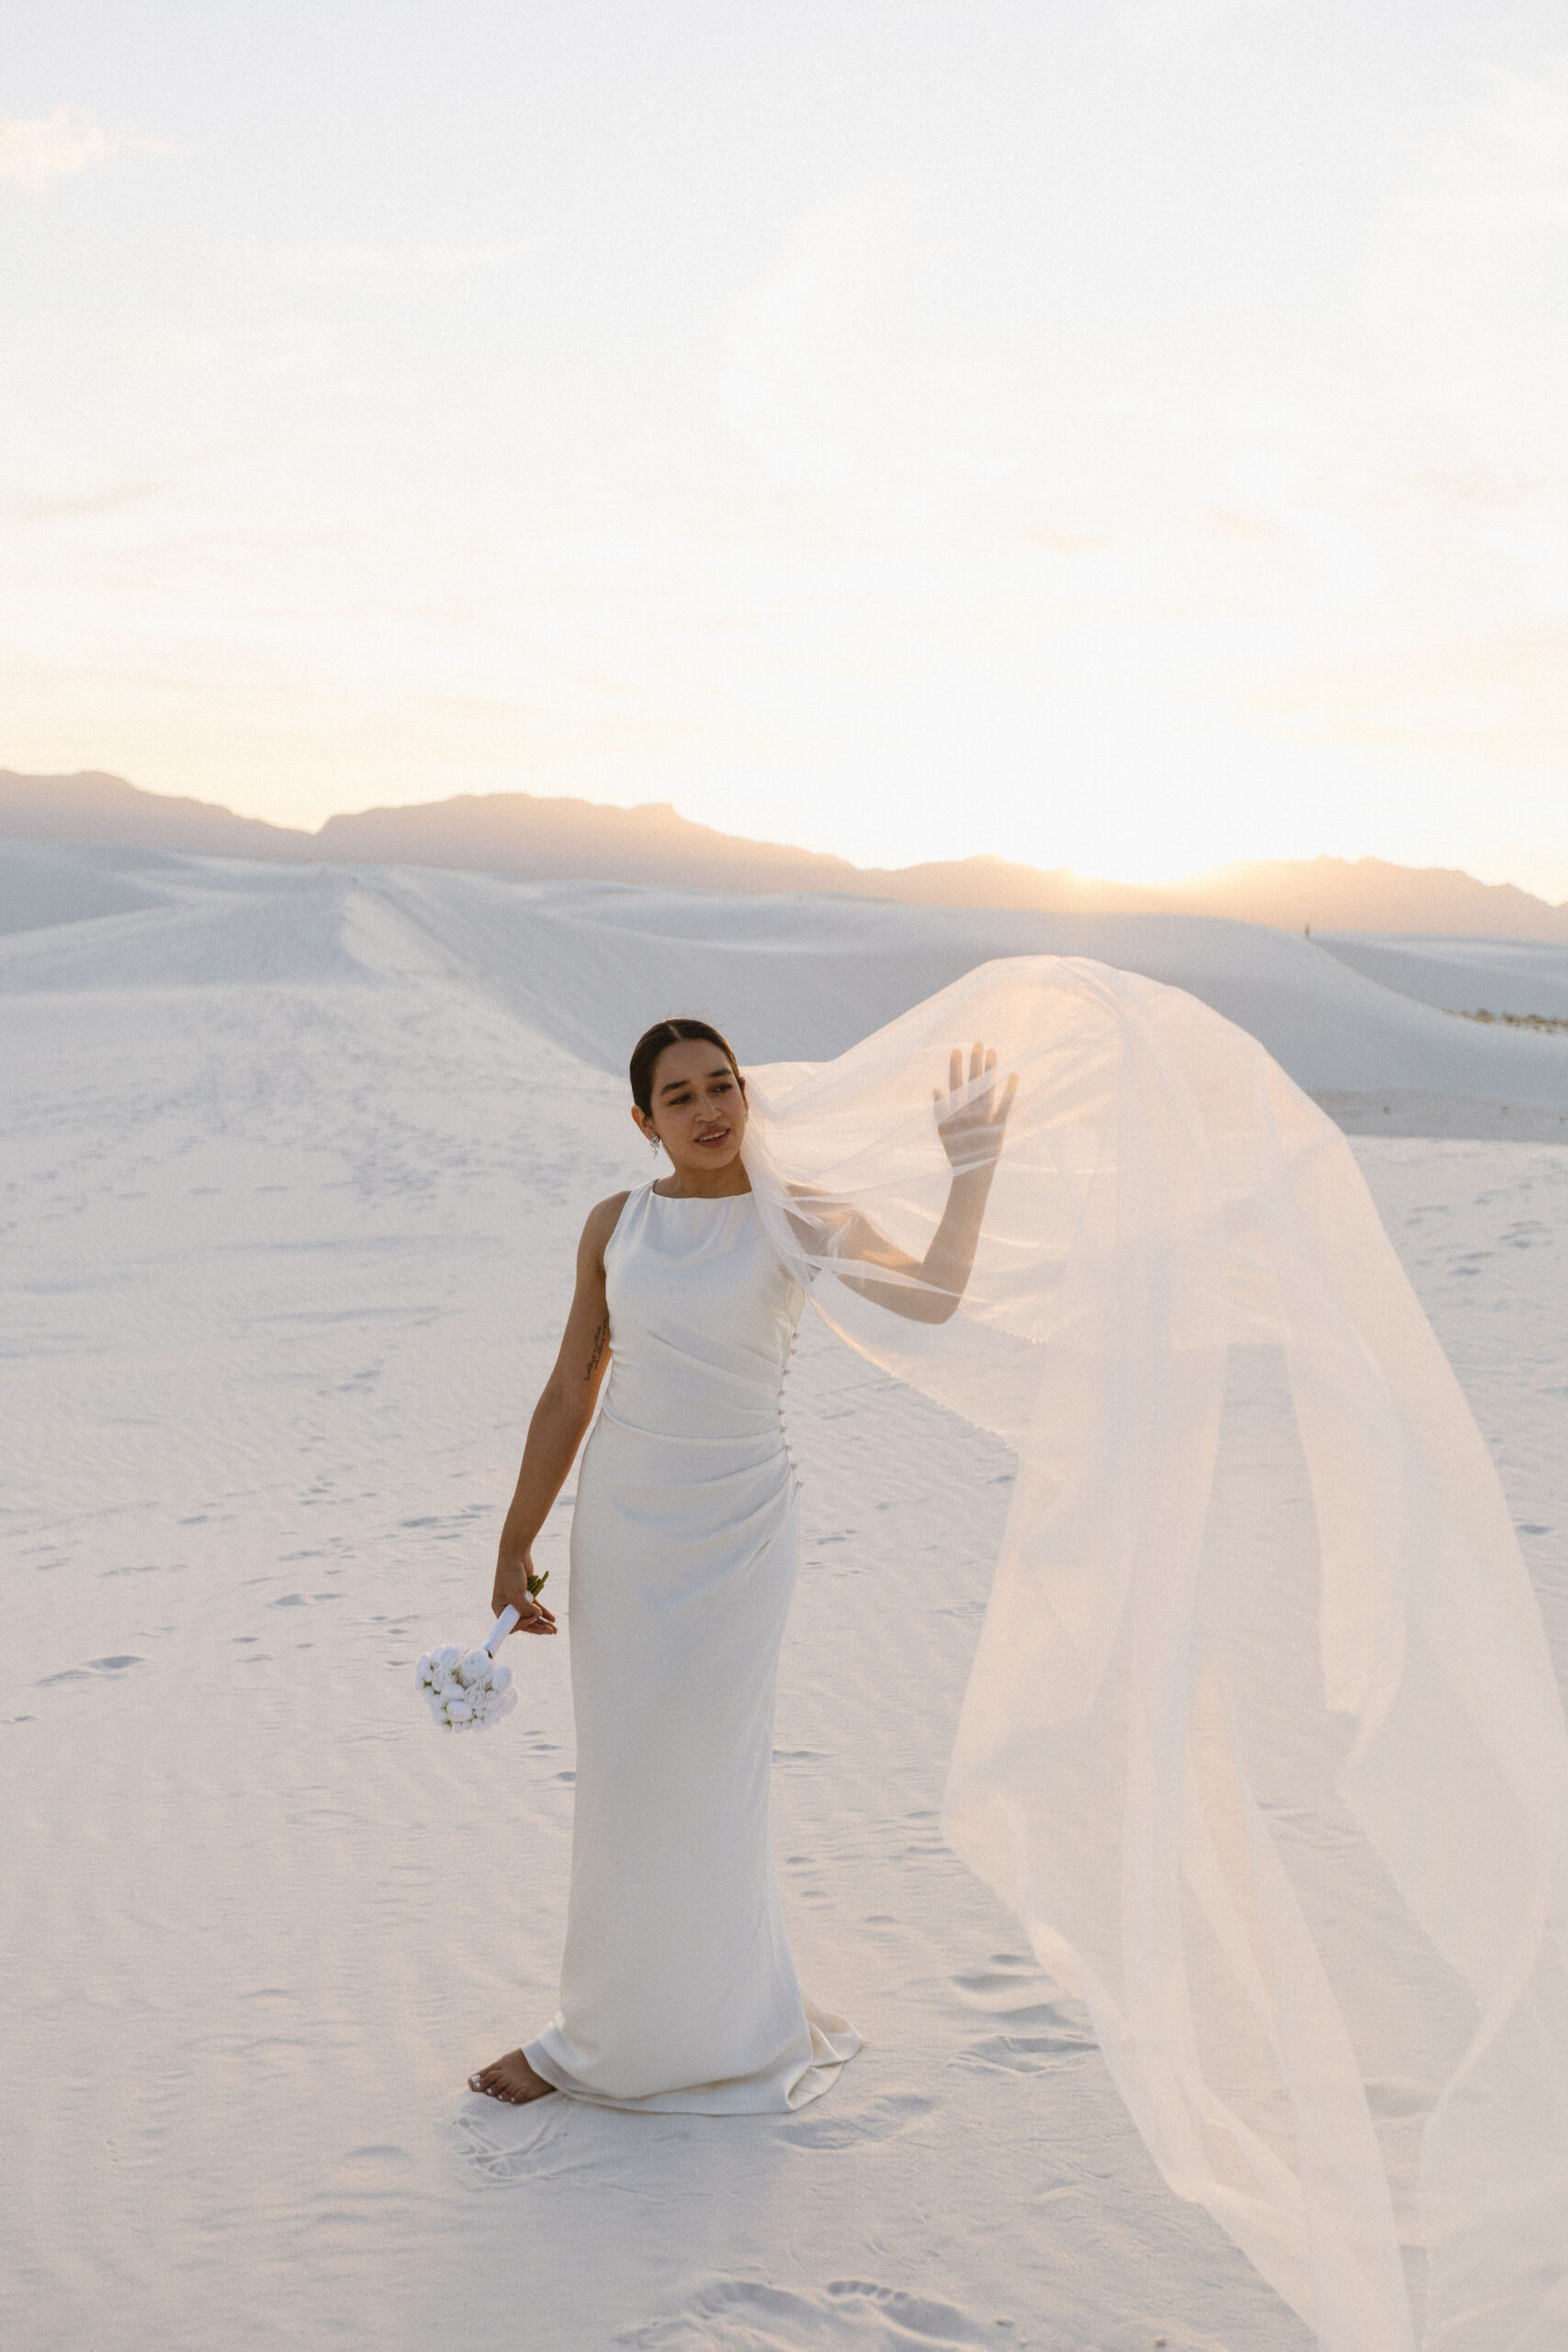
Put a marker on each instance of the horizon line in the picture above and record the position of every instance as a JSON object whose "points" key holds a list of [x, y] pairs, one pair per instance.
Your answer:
{"points": [[1191, 876]]}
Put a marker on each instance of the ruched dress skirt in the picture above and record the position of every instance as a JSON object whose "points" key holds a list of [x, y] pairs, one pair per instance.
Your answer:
{"points": [[678, 1989]]}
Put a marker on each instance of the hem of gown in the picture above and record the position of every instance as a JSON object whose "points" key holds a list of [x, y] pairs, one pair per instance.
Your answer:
{"points": [[834, 2042]]}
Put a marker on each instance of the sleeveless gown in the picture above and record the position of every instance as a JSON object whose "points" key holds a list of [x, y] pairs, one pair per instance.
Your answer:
{"points": [[678, 1991]]}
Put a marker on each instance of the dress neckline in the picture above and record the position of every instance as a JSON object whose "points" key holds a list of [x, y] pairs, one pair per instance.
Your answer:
{"points": [[714, 1200]]}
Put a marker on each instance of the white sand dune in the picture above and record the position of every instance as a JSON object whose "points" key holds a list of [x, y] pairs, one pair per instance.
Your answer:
{"points": [[294, 1160], [789, 978], [1498, 976], [41, 886]]}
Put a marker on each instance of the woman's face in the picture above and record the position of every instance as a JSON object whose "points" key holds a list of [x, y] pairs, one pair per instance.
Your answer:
{"points": [[699, 1110]]}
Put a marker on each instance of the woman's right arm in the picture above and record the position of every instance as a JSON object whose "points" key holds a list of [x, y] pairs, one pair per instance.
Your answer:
{"points": [[560, 1418], [971, 1125]]}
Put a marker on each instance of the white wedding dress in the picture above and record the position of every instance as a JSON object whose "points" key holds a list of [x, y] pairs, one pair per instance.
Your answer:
{"points": [[1262, 1743], [678, 1990]]}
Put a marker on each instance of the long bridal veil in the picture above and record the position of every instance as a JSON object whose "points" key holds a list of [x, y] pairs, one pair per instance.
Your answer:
{"points": [[1262, 1741]]}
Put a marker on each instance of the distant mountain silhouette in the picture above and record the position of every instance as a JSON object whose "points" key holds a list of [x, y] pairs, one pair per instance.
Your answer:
{"points": [[572, 841], [538, 840], [92, 807]]}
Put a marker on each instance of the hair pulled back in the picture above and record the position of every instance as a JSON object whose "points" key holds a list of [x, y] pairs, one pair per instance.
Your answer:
{"points": [[672, 1031]]}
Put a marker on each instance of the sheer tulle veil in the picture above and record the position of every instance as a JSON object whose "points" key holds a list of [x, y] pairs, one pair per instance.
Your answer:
{"points": [[1262, 1742]]}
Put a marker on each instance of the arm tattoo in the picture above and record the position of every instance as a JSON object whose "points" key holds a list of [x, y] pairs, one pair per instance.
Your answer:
{"points": [[600, 1335]]}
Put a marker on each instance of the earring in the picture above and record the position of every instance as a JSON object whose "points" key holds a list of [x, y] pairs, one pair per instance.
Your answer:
{"points": [[653, 1145]]}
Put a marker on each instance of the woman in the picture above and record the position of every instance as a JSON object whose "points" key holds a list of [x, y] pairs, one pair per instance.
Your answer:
{"points": [[1261, 1743], [677, 1986]]}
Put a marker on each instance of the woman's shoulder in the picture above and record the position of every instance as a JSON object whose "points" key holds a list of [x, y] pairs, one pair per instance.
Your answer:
{"points": [[604, 1214], [602, 1219]]}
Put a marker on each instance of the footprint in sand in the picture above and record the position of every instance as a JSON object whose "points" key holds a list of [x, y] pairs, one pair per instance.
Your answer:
{"points": [[499, 2145], [845, 2316], [882, 2119], [1025, 2053], [1031, 2031], [86, 1673], [551, 2139]]}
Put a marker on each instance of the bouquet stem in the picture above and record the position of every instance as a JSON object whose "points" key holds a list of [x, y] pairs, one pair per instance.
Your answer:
{"points": [[499, 1631]]}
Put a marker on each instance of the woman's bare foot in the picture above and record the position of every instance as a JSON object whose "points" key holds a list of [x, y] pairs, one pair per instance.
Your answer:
{"points": [[512, 2080]]}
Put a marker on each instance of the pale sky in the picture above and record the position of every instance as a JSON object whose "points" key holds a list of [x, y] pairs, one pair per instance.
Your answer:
{"points": [[1121, 434]]}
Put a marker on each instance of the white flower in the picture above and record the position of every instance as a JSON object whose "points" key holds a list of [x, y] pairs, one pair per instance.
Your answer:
{"points": [[464, 1690]]}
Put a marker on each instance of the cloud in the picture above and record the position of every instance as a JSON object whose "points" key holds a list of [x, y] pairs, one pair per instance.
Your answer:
{"points": [[1165, 25], [330, 264], [813, 377], [1494, 699], [34, 148], [57, 506], [1466, 286], [1502, 164]]}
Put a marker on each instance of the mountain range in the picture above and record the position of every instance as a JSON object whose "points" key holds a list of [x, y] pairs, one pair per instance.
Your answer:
{"points": [[565, 840]]}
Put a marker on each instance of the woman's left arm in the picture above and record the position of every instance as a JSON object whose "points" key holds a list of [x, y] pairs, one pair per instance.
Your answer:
{"points": [[972, 1122]]}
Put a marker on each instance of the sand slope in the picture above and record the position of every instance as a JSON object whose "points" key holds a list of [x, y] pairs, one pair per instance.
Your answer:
{"points": [[293, 1162], [1499, 975], [788, 978]]}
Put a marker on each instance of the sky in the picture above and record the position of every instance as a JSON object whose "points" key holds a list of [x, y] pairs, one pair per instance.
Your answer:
{"points": [[1127, 434]]}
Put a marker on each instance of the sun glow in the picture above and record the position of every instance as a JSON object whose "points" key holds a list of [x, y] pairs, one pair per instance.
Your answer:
{"points": [[1015, 487]]}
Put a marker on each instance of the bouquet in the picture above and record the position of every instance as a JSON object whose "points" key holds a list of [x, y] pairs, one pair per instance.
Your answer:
{"points": [[465, 1690]]}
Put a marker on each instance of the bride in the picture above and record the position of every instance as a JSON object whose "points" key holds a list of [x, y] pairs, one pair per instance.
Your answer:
{"points": [[1262, 1742], [677, 1985]]}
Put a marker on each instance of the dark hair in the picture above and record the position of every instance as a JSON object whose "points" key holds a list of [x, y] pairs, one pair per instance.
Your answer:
{"points": [[672, 1032]]}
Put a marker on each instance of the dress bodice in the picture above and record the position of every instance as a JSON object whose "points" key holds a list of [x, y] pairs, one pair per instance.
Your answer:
{"points": [[702, 1318], [678, 1990]]}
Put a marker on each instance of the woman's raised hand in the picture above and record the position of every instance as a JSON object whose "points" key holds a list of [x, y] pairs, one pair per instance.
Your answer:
{"points": [[972, 1119]]}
